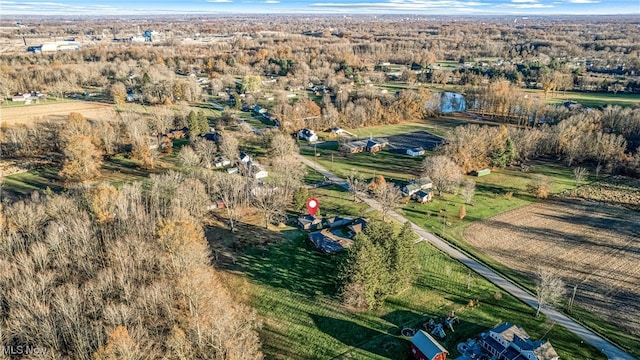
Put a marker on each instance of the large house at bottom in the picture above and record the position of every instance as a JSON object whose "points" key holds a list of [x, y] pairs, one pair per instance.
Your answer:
{"points": [[510, 342], [425, 347]]}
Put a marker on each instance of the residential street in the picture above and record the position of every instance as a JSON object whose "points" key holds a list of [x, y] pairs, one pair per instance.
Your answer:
{"points": [[609, 349]]}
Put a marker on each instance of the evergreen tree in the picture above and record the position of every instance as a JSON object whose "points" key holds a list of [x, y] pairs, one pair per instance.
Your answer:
{"points": [[193, 124], [380, 263], [365, 275], [203, 122], [402, 259]]}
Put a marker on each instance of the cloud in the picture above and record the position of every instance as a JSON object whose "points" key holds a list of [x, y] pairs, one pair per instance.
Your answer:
{"points": [[272, 2], [44, 3], [525, 5], [219, 1], [584, 1], [524, 1]]}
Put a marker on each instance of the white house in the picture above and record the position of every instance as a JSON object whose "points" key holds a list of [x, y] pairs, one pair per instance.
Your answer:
{"points": [[258, 172], [245, 158], [308, 134]]}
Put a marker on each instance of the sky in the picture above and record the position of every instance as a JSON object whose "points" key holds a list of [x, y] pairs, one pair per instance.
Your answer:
{"points": [[414, 7]]}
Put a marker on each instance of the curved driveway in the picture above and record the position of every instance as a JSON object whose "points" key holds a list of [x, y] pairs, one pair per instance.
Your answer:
{"points": [[612, 352]]}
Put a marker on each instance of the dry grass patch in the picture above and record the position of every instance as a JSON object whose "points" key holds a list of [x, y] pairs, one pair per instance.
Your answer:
{"points": [[29, 114]]}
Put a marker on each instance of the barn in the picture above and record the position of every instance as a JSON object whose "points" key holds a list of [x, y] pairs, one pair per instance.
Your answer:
{"points": [[425, 347]]}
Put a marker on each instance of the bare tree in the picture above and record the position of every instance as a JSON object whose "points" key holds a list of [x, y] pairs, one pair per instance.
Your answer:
{"points": [[229, 147], [206, 149], [232, 190], [288, 174], [282, 146], [389, 197], [356, 184], [270, 201], [579, 174], [188, 157], [467, 190], [444, 173], [549, 289]]}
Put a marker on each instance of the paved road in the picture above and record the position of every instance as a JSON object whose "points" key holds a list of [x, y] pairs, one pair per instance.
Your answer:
{"points": [[612, 352]]}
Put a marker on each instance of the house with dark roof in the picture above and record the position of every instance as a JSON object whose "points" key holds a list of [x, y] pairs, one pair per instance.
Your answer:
{"points": [[334, 234], [353, 147], [375, 145], [511, 342], [423, 196], [337, 221], [309, 222], [330, 241], [425, 347], [357, 226], [245, 158]]}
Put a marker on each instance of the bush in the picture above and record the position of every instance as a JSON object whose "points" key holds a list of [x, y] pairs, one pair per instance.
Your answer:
{"points": [[540, 186]]}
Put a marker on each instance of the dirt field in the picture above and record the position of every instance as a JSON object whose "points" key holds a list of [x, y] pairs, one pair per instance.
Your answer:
{"points": [[57, 111], [592, 245]]}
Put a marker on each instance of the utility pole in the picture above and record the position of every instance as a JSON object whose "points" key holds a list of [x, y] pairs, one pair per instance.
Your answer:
{"points": [[444, 217], [573, 296]]}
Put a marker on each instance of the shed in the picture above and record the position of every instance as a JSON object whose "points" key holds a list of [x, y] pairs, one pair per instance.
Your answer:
{"points": [[425, 347], [415, 151], [482, 172], [233, 170]]}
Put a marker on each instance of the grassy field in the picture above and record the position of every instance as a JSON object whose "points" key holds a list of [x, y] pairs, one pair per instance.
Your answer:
{"points": [[385, 163], [589, 99], [293, 288]]}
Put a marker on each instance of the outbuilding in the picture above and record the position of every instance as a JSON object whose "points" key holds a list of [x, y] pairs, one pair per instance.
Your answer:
{"points": [[425, 347]]}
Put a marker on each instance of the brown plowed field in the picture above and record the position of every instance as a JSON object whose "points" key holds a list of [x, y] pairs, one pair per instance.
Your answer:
{"points": [[592, 245], [26, 114]]}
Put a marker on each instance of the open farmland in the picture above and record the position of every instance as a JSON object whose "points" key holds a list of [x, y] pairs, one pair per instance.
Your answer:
{"points": [[26, 114], [595, 247]]}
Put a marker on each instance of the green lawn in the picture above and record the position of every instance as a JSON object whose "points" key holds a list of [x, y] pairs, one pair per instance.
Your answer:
{"points": [[293, 288], [385, 163], [33, 180], [589, 99]]}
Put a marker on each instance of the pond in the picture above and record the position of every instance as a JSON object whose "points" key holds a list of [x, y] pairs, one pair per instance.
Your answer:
{"points": [[448, 102]]}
